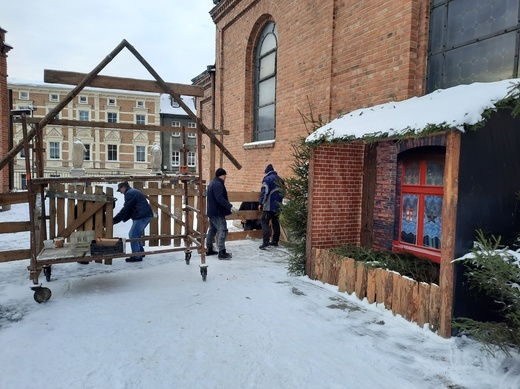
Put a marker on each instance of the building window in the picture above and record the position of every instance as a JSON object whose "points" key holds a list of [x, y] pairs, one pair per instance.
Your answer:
{"points": [[176, 158], [175, 104], [56, 117], [83, 99], [140, 153], [140, 119], [54, 97], [472, 41], [191, 159], [111, 101], [54, 150], [112, 152], [111, 117], [22, 153], [83, 116], [422, 191], [86, 156], [192, 135], [23, 181], [176, 134], [24, 95], [192, 125], [265, 84], [176, 124], [140, 104]]}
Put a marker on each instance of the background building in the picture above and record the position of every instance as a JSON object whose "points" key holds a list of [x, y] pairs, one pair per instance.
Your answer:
{"points": [[178, 149], [109, 150]]}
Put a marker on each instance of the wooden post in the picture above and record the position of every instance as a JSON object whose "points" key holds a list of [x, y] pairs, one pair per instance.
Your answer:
{"points": [[449, 220]]}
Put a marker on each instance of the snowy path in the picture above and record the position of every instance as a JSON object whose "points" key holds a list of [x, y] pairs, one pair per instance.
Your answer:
{"points": [[156, 324]]}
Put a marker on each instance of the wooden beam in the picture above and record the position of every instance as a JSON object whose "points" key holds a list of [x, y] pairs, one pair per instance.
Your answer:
{"points": [[62, 104], [9, 227], [14, 198], [449, 221], [14, 255], [186, 109], [108, 82], [119, 126]]}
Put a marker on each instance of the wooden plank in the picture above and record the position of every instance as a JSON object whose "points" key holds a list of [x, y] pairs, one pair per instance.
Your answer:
{"points": [[14, 198], [70, 210], [8, 227], [89, 223], [241, 235], [154, 223], [361, 280], [449, 221], [434, 308], [350, 283], [177, 210], [371, 285], [98, 217], [52, 214], [413, 307], [342, 278], [108, 82], [109, 217], [166, 221], [396, 293], [389, 289], [380, 285], [192, 215], [80, 207], [423, 304], [14, 255], [60, 211]]}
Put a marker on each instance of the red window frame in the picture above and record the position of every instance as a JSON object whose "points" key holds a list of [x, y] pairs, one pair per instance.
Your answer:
{"points": [[421, 190]]}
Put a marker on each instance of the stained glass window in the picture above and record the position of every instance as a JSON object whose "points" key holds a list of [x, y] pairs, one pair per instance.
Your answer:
{"points": [[422, 193]]}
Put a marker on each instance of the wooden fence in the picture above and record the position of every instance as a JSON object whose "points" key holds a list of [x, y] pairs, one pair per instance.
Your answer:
{"points": [[417, 302], [73, 207]]}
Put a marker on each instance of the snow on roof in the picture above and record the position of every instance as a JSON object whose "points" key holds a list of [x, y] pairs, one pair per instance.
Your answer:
{"points": [[453, 107], [166, 105]]}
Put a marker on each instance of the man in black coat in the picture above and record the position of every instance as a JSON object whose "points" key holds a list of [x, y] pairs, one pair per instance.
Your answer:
{"points": [[218, 208], [136, 207], [270, 199]]}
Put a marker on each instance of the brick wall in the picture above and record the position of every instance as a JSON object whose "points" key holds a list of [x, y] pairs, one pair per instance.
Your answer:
{"points": [[4, 111], [385, 196], [335, 195], [333, 56]]}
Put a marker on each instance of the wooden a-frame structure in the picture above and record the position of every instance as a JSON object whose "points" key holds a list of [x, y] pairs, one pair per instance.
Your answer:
{"points": [[36, 185]]}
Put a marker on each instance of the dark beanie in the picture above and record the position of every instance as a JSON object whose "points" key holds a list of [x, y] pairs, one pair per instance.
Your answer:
{"points": [[268, 169], [220, 172]]}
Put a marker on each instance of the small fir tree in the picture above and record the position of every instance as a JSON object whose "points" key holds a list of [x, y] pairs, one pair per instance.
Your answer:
{"points": [[293, 213], [495, 271]]}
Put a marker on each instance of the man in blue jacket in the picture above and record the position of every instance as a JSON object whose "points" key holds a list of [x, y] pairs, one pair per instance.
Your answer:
{"points": [[136, 207], [270, 200], [218, 208]]}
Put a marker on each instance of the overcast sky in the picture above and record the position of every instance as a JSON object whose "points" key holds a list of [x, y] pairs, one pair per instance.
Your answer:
{"points": [[176, 37]]}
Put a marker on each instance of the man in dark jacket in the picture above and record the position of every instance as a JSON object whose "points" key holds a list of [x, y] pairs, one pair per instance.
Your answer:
{"points": [[136, 207], [270, 200], [218, 208]]}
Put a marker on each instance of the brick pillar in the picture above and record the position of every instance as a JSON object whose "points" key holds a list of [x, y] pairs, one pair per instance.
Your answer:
{"points": [[4, 111]]}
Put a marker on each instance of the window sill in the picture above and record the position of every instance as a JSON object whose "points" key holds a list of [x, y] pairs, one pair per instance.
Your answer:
{"points": [[402, 248], [259, 145]]}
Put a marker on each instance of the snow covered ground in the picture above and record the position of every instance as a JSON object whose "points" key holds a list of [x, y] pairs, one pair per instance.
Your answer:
{"points": [[156, 324]]}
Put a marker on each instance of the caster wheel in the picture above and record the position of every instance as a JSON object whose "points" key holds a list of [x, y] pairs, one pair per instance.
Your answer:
{"points": [[47, 273], [204, 273], [187, 256], [42, 295]]}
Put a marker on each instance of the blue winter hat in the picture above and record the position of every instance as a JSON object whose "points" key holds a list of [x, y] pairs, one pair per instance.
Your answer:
{"points": [[268, 169]]}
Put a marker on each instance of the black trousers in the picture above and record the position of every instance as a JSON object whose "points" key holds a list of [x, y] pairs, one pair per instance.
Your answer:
{"points": [[270, 217]]}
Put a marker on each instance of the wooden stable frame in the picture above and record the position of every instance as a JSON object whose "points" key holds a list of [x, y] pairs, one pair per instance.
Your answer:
{"points": [[78, 218]]}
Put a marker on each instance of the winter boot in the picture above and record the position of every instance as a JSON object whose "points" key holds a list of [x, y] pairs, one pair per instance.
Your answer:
{"points": [[264, 246], [222, 254], [211, 252]]}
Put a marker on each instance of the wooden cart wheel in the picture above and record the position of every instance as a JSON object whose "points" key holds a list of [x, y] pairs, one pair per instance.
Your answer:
{"points": [[42, 295]]}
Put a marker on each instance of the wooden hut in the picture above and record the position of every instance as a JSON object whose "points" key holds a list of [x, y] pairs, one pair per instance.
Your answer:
{"points": [[418, 176]]}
